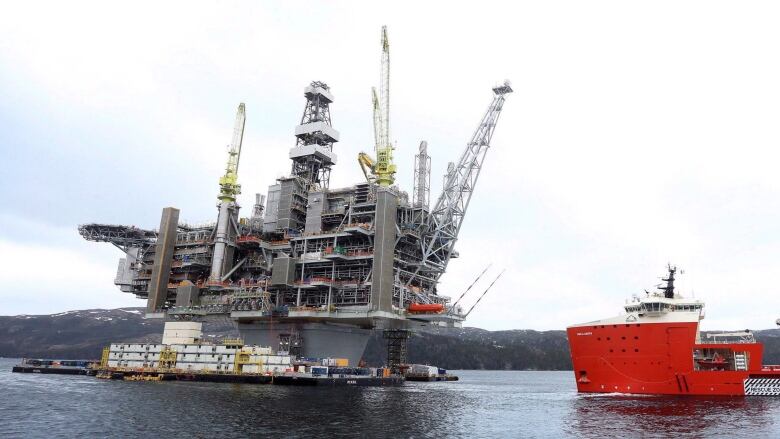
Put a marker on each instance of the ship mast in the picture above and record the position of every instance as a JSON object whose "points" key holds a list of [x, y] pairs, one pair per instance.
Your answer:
{"points": [[669, 288]]}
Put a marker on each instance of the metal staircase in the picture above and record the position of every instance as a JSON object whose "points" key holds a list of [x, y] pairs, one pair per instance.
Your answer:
{"points": [[740, 362]]}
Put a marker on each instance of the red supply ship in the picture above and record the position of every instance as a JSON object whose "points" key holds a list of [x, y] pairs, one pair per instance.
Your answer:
{"points": [[655, 347]]}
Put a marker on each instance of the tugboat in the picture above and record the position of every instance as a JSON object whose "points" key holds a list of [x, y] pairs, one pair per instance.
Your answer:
{"points": [[655, 347]]}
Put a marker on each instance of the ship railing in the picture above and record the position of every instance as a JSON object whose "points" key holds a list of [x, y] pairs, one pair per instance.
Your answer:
{"points": [[728, 337]]}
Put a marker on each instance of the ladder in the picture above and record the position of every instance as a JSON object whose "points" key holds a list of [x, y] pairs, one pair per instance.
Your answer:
{"points": [[104, 358], [740, 362], [167, 358]]}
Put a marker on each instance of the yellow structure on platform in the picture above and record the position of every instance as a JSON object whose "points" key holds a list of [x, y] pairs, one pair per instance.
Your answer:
{"points": [[243, 357], [235, 342], [228, 183], [167, 358], [104, 358], [382, 169]]}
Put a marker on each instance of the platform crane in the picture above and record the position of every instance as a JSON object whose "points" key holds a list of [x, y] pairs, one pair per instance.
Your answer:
{"points": [[382, 170], [446, 218], [228, 183], [228, 208]]}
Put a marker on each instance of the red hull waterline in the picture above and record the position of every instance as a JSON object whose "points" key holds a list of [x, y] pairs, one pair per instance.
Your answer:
{"points": [[656, 348]]}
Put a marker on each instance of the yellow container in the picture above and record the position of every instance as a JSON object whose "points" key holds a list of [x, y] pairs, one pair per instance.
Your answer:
{"points": [[342, 362]]}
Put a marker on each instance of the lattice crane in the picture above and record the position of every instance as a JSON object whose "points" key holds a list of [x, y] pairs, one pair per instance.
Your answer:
{"points": [[382, 170], [445, 219], [228, 208], [228, 183]]}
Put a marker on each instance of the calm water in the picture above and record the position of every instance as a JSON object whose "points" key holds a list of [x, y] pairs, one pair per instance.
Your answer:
{"points": [[482, 404]]}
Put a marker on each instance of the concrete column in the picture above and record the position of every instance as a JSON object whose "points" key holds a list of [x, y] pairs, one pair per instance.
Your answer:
{"points": [[220, 241], [163, 256], [384, 249]]}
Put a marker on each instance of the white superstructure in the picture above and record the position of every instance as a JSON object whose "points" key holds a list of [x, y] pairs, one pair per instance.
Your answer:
{"points": [[182, 333], [665, 306], [198, 357]]}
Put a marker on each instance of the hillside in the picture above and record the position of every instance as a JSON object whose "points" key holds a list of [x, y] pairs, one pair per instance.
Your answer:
{"points": [[82, 334], [78, 334]]}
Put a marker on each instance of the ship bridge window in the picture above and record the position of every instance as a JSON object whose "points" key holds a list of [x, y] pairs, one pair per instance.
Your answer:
{"points": [[688, 307]]}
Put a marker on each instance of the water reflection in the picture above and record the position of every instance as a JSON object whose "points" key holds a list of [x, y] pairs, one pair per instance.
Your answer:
{"points": [[484, 404], [670, 416]]}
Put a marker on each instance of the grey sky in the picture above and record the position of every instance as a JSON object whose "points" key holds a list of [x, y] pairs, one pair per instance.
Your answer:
{"points": [[638, 133]]}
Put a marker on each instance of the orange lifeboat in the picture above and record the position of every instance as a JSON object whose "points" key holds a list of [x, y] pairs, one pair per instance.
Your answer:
{"points": [[426, 307]]}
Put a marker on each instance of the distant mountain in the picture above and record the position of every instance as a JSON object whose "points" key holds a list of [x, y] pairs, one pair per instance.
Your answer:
{"points": [[83, 334], [78, 334], [474, 348]]}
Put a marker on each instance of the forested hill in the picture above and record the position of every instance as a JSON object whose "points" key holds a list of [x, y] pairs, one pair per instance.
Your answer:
{"points": [[83, 334]]}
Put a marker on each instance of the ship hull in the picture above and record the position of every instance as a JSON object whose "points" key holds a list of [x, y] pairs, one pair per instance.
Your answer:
{"points": [[359, 381], [659, 358], [51, 370]]}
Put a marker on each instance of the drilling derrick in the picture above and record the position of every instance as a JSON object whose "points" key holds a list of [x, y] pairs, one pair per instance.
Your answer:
{"points": [[312, 159], [227, 220], [313, 153]]}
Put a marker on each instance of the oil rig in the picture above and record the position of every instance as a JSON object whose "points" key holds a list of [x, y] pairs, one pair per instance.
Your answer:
{"points": [[313, 270]]}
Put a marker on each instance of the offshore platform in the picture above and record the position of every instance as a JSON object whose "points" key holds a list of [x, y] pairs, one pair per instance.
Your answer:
{"points": [[314, 269]]}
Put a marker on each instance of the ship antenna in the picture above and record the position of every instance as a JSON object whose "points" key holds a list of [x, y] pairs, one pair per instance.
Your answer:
{"points": [[669, 288]]}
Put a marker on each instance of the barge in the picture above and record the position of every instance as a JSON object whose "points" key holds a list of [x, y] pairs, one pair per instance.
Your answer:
{"points": [[424, 372], [334, 381], [179, 375], [59, 367], [231, 361]]}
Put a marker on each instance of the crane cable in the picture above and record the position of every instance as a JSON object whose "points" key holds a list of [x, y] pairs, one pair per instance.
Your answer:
{"points": [[452, 308], [483, 294]]}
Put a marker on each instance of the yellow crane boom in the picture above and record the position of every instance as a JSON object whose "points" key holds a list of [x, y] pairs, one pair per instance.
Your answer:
{"points": [[228, 183], [382, 169]]}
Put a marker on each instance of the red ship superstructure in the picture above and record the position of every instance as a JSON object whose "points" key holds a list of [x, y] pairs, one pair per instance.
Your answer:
{"points": [[655, 347]]}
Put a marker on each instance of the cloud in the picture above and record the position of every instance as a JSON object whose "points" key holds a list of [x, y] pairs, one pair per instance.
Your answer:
{"points": [[637, 135], [41, 279]]}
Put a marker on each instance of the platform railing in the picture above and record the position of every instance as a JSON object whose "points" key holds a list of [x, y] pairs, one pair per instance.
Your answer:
{"points": [[728, 337]]}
